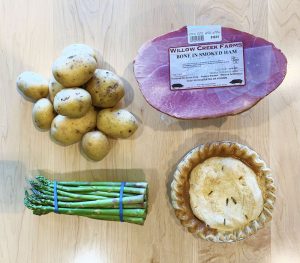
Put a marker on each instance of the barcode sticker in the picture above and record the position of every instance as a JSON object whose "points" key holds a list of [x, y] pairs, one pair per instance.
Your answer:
{"points": [[204, 34], [196, 39]]}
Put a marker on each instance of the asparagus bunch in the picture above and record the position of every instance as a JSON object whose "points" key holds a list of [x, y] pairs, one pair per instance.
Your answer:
{"points": [[98, 200]]}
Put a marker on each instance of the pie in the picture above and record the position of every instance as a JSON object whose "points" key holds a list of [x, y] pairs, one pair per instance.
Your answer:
{"points": [[223, 191]]}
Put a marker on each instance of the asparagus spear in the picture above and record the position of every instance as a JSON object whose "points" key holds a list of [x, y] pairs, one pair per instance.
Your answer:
{"points": [[99, 188], [133, 220], [78, 197], [59, 197], [44, 189], [74, 183], [37, 201], [70, 204], [81, 188], [50, 196], [49, 191], [87, 211], [101, 193], [118, 184], [114, 202]]}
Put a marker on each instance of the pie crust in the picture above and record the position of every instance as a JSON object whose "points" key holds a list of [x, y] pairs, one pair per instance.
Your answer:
{"points": [[180, 190]]}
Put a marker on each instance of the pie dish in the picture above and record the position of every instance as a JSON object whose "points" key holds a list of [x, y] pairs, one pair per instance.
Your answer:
{"points": [[223, 191]]}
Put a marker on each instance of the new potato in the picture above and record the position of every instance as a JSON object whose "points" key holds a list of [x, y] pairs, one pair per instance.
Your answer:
{"points": [[79, 48], [116, 123], [32, 85], [74, 70], [75, 87], [106, 88], [67, 131], [43, 114], [54, 88], [95, 145], [73, 102]]}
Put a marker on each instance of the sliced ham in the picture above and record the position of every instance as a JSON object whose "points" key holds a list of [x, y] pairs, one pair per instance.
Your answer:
{"points": [[265, 68]]}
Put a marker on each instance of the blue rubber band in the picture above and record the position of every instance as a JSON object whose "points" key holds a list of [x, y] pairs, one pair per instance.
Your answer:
{"points": [[121, 201], [55, 197]]}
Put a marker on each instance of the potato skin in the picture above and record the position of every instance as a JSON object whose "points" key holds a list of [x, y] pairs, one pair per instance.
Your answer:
{"points": [[43, 114], [106, 88], [116, 123], [74, 70], [95, 145], [67, 131], [72, 102], [32, 85], [54, 88], [79, 48]]}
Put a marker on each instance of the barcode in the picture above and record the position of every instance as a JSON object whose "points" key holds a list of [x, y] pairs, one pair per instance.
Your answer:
{"points": [[196, 38]]}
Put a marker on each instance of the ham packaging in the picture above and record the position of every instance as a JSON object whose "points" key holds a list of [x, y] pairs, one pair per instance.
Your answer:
{"points": [[209, 73]]}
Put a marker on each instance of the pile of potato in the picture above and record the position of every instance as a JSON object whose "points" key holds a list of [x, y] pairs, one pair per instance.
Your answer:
{"points": [[77, 103]]}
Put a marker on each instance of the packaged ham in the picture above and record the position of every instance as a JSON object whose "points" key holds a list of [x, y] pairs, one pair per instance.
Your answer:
{"points": [[206, 72]]}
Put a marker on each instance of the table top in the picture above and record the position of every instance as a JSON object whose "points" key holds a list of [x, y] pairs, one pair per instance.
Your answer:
{"points": [[33, 34]]}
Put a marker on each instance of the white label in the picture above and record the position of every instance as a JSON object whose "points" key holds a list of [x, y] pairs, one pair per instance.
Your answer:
{"points": [[203, 66], [204, 34]]}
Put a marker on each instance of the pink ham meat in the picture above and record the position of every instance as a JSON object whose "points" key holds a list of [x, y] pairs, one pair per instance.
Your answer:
{"points": [[265, 68]]}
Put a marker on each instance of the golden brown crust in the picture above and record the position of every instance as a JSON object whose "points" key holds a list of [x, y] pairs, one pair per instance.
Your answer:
{"points": [[180, 190]]}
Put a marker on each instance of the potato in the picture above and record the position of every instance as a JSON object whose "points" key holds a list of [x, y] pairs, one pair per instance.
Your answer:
{"points": [[116, 123], [74, 70], [106, 88], [32, 85], [43, 114], [79, 48], [73, 102], [67, 131], [95, 145], [54, 88]]}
